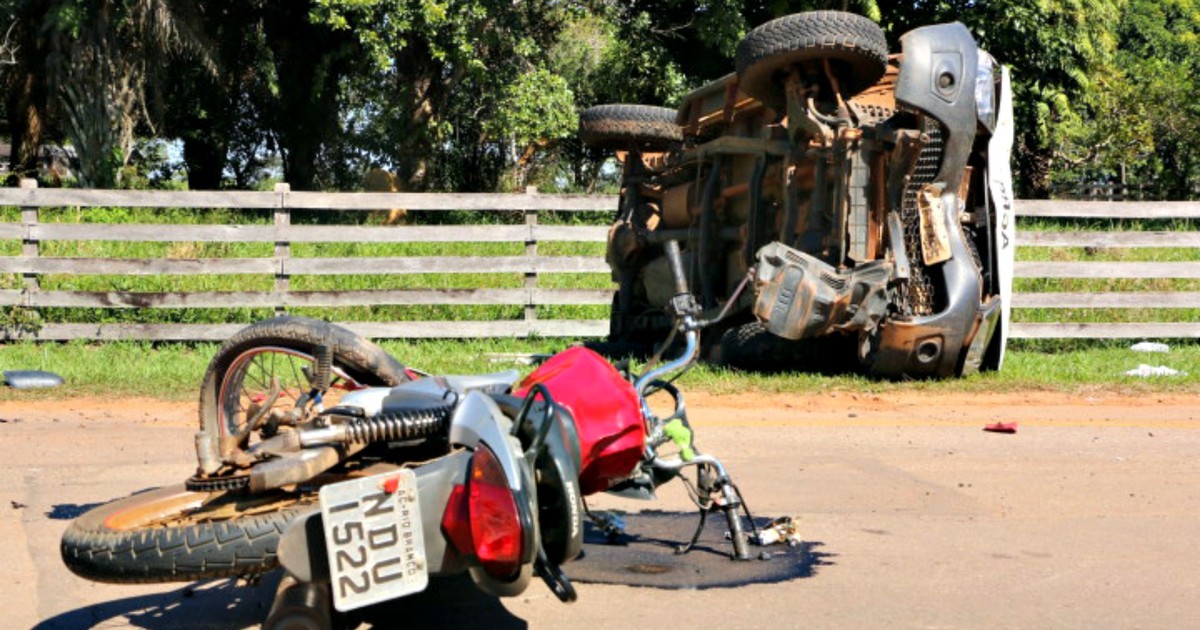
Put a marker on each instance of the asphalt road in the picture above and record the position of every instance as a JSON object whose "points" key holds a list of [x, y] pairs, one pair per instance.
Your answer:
{"points": [[913, 517]]}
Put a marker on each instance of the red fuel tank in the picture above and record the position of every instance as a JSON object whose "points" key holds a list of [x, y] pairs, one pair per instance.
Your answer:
{"points": [[607, 412]]}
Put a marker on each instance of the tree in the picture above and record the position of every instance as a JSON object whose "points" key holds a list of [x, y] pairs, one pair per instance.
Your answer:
{"points": [[440, 102], [27, 89], [1159, 58], [481, 94], [221, 117], [102, 63]]}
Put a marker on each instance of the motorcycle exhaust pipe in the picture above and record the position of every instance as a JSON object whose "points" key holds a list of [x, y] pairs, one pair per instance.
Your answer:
{"points": [[295, 467], [208, 460]]}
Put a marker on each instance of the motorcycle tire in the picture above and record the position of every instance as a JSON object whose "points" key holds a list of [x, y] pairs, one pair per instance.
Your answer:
{"points": [[855, 45], [354, 358], [623, 127], [174, 535]]}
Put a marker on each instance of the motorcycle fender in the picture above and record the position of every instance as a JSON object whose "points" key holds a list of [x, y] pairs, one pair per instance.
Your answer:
{"points": [[302, 549], [561, 502], [478, 419], [1000, 187]]}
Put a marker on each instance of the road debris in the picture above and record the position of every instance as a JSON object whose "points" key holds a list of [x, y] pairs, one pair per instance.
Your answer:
{"points": [[1001, 427], [780, 530], [31, 379], [1147, 371]]}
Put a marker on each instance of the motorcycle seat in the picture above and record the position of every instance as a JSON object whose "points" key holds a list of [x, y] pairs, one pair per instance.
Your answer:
{"points": [[494, 383]]}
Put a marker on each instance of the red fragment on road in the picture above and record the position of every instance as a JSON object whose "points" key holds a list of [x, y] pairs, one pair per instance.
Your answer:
{"points": [[1001, 427]]}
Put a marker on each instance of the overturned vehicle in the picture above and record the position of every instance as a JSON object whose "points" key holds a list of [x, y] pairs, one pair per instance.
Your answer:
{"points": [[866, 196]]}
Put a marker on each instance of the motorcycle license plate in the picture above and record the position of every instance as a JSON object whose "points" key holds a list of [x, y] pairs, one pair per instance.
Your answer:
{"points": [[374, 539]]}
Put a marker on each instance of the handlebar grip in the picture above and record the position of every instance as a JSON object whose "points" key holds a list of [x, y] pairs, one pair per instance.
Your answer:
{"points": [[676, 263]]}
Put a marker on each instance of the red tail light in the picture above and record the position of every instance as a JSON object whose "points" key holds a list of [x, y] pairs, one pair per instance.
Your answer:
{"points": [[482, 518]]}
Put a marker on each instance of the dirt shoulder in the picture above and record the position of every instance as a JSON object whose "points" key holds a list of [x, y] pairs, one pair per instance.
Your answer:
{"points": [[748, 409]]}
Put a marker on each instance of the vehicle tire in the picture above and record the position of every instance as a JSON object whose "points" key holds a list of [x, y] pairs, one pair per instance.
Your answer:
{"points": [[752, 348], [856, 46], [629, 127], [749, 347], [174, 535], [286, 346]]}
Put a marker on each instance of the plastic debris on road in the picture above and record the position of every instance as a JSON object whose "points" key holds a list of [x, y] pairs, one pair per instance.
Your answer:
{"points": [[1001, 427], [1150, 346], [780, 530], [31, 379], [1147, 371]]}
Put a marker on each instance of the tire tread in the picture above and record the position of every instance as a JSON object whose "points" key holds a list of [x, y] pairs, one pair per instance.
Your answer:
{"points": [[624, 126], [236, 547], [811, 35]]}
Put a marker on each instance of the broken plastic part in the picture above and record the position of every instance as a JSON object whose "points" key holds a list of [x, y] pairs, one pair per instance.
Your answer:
{"points": [[31, 379]]}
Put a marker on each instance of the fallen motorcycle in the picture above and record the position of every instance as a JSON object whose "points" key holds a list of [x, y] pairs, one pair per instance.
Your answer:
{"points": [[363, 478]]}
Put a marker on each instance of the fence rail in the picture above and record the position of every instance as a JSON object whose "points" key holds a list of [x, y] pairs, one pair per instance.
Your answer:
{"points": [[32, 265], [1181, 212]]}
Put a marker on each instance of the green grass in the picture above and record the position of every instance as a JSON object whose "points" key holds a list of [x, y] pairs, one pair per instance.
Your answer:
{"points": [[173, 371]]}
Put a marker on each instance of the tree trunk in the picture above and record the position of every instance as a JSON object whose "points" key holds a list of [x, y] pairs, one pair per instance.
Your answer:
{"points": [[310, 61], [1033, 171], [26, 113], [205, 162]]}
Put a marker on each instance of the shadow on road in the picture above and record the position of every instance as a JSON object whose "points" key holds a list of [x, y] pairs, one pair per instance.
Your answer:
{"points": [[202, 605], [447, 603], [646, 555], [70, 511], [454, 603]]}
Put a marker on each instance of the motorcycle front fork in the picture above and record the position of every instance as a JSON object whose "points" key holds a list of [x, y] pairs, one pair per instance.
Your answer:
{"points": [[731, 503]]}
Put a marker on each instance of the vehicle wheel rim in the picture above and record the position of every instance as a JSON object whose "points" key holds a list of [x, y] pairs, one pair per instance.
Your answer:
{"points": [[248, 383], [180, 507]]}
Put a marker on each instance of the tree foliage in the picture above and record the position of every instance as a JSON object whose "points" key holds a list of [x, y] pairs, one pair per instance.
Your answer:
{"points": [[483, 94]]}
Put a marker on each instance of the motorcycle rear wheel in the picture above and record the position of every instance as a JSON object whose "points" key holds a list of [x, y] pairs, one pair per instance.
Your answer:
{"points": [[174, 535]]}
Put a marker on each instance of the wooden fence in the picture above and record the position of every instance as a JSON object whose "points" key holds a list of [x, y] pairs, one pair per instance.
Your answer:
{"points": [[32, 264], [1165, 211]]}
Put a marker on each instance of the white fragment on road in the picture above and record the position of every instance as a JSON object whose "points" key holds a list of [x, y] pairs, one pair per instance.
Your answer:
{"points": [[1150, 346], [1147, 371]]}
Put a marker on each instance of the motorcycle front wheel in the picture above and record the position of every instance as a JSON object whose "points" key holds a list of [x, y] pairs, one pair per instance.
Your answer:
{"points": [[172, 534], [273, 362]]}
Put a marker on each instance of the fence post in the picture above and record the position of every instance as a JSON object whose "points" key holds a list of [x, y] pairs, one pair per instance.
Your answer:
{"points": [[29, 245], [283, 249], [531, 252]]}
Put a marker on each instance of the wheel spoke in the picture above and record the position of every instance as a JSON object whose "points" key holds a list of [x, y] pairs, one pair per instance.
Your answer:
{"points": [[299, 382], [252, 377]]}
